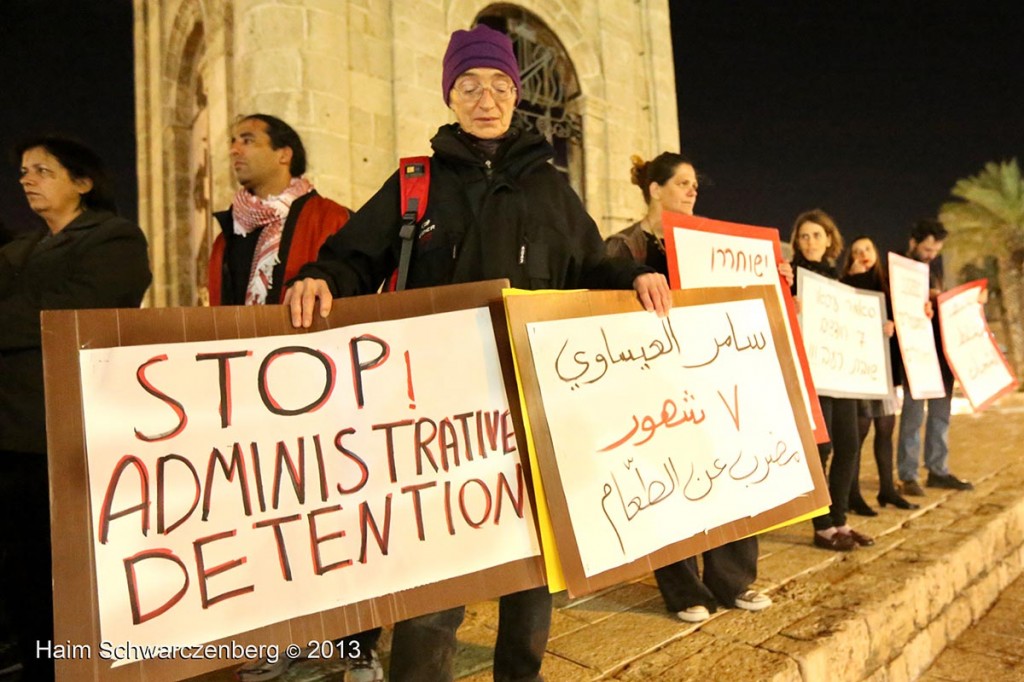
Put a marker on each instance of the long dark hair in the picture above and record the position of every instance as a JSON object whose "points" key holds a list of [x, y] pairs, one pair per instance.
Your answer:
{"points": [[81, 163], [877, 270]]}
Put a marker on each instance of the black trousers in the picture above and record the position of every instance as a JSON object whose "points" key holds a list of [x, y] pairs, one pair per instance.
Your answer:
{"points": [[26, 573], [728, 572], [423, 648], [841, 421], [883, 454]]}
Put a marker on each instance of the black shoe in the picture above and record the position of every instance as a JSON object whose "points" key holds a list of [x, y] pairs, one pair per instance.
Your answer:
{"points": [[895, 500], [839, 542], [861, 508], [911, 488], [948, 481]]}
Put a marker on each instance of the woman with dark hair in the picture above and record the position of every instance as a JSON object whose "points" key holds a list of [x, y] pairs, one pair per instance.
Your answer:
{"points": [[816, 245], [863, 270], [87, 258], [669, 183]]}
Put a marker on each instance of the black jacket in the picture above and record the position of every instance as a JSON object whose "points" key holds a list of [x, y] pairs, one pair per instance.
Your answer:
{"points": [[98, 261], [513, 217]]}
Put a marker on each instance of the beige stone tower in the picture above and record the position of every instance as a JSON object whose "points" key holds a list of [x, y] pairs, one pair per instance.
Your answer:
{"points": [[360, 81]]}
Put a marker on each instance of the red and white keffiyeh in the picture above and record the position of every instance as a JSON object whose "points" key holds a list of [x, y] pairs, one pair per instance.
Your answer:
{"points": [[251, 213]]}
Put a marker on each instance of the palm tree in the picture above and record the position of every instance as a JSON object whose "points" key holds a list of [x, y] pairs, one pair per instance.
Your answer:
{"points": [[988, 215]]}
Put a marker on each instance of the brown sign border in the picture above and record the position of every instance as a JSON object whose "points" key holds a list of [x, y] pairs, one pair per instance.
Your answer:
{"points": [[76, 615], [523, 310]]}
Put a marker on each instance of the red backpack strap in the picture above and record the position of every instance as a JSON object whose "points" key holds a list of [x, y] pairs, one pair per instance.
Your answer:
{"points": [[414, 180]]}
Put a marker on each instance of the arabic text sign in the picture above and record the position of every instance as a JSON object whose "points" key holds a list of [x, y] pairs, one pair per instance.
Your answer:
{"points": [[970, 347], [908, 289], [665, 428], [238, 483], [846, 346], [709, 253]]}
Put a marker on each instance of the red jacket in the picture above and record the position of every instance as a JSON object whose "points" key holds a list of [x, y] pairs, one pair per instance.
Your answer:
{"points": [[312, 220]]}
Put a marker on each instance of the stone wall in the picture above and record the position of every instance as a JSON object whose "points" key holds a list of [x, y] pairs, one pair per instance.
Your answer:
{"points": [[360, 81]]}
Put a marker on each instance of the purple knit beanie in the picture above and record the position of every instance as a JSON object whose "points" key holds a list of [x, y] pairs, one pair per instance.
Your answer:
{"points": [[479, 47]]}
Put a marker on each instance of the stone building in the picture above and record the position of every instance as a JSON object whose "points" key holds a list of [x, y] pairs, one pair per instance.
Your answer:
{"points": [[360, 81]]}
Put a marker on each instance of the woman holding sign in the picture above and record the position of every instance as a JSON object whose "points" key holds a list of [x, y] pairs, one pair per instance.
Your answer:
{"points": [[669, 183], [87, 258], [864, 271], [816, 246]]}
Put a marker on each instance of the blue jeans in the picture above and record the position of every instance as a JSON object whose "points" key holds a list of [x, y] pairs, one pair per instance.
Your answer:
{"points": [[936, 436]]}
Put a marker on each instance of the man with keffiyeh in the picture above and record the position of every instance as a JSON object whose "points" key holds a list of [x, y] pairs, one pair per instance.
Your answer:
{"points": [[276, 222]]}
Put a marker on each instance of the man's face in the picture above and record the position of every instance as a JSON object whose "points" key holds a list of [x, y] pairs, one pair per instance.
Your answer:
{"points": [[926, 250], [258, 166]]}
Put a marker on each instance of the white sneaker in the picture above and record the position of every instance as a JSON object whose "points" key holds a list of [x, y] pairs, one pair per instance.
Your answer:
{"points": [[752, 600], [694, 614], [365, 669]]}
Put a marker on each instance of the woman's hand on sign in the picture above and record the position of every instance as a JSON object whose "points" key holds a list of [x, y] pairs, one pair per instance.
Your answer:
{"points": [[929, 311], [889, 328], [786, 271], [653, 292], [796, 304], [302, 296]]}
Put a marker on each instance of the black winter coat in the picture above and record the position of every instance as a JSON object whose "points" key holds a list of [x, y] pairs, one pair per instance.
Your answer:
{"points": [[97, 261], [513, 217]]}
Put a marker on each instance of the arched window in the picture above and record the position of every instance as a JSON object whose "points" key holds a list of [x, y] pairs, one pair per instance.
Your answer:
{"points": [[550, 96]]}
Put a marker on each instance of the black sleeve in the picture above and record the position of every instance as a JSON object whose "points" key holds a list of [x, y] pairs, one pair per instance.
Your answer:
{"points": [[599, 270], [358, 258], [109, 268]]}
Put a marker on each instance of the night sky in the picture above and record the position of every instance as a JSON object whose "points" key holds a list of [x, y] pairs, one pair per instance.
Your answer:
{"points": [[869, 110], [67, 66]]}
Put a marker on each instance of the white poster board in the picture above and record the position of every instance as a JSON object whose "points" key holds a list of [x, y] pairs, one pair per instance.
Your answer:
{"points": [[843, 336], [908, 290], [970, 347], [244, 482], [709, 253], [665, 428]]}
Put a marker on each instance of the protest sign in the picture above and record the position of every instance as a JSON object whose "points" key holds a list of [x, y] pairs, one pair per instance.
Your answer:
{"points": [[908, 290], [658, 438], [238, 483], [970, 347], [846, 346], [710, 253]]}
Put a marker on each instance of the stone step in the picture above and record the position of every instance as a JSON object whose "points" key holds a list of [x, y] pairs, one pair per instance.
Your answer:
{"points": [[881, 613]]}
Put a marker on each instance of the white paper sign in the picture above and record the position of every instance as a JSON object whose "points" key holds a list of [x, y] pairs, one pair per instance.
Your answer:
{"points": [[664, 428], [908, 289], [846, 345], [713, 257], [971, 348], [239, 483]]}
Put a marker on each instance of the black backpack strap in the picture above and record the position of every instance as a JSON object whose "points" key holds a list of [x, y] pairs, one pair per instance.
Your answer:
{"points": [[414, 179]]}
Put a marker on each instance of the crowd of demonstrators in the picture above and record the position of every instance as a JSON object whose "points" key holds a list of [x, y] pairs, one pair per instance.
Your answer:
{"points": [[669, 183], [925, 244], [863, 270], [498, 209], [817, 244], [88, 257]]}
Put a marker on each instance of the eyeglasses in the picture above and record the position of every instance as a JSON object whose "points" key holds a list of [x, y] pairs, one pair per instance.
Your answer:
{"points": [[472, 90]]}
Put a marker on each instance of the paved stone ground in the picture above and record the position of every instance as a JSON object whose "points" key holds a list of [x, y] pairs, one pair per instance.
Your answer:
{"points": [[883, 613], [992, 649]]}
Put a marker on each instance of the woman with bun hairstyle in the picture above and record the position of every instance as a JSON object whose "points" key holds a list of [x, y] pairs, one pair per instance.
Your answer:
{"points": [[863, 270], [816, 246], [669, 183]]}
